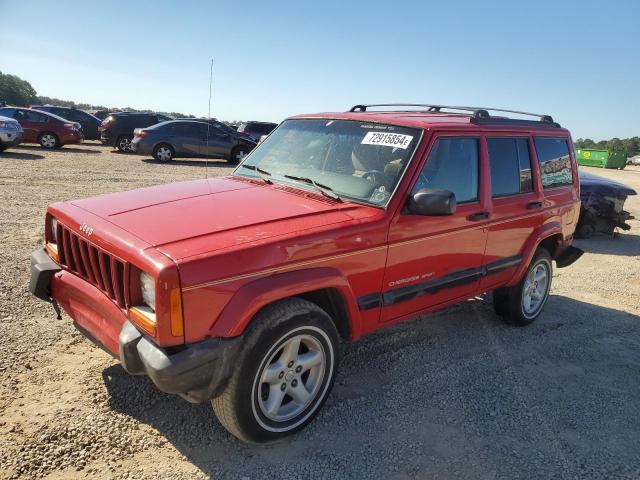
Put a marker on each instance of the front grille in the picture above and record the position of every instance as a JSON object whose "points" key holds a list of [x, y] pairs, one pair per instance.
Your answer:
{"points": [[93, 264]]}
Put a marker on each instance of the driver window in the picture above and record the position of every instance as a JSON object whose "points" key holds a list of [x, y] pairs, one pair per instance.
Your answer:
{"points": [[452, 165]]}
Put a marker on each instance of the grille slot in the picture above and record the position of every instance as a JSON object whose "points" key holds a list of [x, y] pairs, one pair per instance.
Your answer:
{"points": [[94, 265]]}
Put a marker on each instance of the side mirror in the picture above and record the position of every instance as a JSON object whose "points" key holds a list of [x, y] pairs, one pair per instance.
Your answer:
{"points": [[429, 201]]}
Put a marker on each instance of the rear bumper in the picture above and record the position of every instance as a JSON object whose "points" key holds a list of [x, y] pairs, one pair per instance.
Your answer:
{"points": [[197, 372], [10, 138], [141, 147], [107, 139]]}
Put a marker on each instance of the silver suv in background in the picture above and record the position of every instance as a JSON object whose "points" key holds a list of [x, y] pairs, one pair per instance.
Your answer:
{"points": [[10, 133], [256, 129]]}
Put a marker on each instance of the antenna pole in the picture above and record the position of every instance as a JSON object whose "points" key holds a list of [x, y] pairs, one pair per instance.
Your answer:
{"points": [[206, 157]]}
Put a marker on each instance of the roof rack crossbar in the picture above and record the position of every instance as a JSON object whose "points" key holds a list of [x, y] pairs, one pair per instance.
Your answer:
{"points": [[478, 112]]}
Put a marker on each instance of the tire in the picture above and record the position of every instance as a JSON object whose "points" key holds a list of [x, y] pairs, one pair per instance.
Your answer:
{"points": [[238, 153], [49, 141], [124, 143], [521, 304], [264, 398], [163, 153]]}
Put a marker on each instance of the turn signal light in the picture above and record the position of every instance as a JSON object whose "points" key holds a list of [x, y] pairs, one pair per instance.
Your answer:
{"points": [[52, 250], [177, 324], [144, 318]]}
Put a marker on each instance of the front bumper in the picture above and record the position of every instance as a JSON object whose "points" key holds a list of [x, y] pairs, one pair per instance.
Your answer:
{"points": [[197, 372], [70, 137]]}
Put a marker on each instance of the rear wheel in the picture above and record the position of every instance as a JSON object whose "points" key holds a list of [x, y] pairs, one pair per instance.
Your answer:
{"points": [[124, 143], [49, 140], [238, 153], [163, 153], [522, 304], [284, 373]]}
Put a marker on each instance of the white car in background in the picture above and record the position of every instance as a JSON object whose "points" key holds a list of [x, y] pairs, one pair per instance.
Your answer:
{"points": [[635, 160], [10, 133]]}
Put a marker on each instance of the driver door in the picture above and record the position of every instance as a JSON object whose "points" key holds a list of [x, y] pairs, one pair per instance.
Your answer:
{"points": [[436, 259]]}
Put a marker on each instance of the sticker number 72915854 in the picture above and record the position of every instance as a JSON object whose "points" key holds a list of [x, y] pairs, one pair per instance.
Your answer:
{"points": [[398, 140]]}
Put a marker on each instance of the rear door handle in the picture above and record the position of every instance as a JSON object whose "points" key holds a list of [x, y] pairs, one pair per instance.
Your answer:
{"points": [[533, 205], [478, 216]]}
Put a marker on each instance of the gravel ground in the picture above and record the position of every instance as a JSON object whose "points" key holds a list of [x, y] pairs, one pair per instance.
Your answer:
{"points": [[455, 395]]}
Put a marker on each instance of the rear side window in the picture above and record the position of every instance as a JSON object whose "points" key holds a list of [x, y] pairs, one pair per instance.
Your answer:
{"points": [[452, 165], [554, 161], [510, 166]]}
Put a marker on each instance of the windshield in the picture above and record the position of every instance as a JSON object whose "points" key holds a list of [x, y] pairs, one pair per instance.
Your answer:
{"points": [[351, 159]]}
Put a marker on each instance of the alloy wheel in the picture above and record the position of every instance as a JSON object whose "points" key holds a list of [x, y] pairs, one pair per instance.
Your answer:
{"points": [[535, 289], [291, 378], [125, 144], [240, 154]]}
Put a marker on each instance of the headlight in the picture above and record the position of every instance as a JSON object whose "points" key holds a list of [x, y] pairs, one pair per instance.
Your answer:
{"points": [[54, 230], [148, 289]]}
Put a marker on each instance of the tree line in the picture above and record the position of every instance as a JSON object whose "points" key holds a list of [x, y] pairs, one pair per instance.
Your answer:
{"points": [[19, 92], [16, 91]]}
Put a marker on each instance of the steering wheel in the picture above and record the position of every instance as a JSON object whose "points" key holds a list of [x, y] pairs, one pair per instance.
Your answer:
{"points": [[374, 176]]}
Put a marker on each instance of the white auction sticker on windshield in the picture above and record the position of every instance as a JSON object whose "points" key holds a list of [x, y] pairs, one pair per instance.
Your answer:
{"points": [[387, 139]]}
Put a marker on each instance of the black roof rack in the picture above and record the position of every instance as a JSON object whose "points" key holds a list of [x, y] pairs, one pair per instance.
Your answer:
{"points": [[479, 114]]}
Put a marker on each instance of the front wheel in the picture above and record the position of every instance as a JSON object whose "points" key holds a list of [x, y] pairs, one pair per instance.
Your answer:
{"points": [[522, 304], [284, 374]]}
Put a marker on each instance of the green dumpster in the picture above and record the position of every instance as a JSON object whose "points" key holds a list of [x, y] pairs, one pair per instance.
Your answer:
{"points": [[591, 157]]}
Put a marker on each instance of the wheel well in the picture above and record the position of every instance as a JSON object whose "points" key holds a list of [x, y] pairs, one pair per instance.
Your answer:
{"points": [[50, 133], [164, 144], [551, 244], [331, 301]]}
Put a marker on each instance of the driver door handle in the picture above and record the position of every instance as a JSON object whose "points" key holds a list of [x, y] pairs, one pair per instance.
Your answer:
{"points": [[475, 217], [533, 205]]}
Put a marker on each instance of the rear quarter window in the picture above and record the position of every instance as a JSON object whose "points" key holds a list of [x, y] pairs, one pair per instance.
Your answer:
{"points": [[554, 161], [510, 166]]}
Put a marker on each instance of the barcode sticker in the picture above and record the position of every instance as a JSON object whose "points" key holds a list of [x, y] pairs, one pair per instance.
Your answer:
{"points": [[397, 140]]}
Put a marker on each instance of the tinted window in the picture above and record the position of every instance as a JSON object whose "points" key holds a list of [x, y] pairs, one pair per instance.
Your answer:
{"points": [[193, 130], [7, 112], [554, 161], [31, 116], [510, 166], [452, 165]]}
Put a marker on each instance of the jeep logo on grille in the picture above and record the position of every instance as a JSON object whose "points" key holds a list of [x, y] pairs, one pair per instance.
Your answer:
{"points": [[86, 229]]}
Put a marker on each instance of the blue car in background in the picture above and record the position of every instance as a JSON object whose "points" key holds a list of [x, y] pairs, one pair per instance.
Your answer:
{"points": [[88, 122]]}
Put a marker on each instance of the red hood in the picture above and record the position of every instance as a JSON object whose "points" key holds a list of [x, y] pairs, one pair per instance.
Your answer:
{"points": [[188, 218]]}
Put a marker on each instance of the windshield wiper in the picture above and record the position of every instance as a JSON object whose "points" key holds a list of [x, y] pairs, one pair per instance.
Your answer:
{"points": [[264, 175], [323, 189]]}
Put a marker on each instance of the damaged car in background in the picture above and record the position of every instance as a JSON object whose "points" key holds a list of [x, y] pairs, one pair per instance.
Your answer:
{"points": [[602, 207]]}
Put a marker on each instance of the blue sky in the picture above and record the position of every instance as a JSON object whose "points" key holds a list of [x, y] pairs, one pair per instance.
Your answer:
{"points": [[578, 61]]}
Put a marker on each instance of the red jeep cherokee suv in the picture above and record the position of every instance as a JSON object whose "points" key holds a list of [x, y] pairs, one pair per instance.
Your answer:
{"points": [[238, 289]]}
